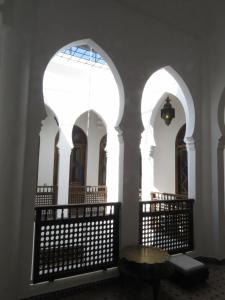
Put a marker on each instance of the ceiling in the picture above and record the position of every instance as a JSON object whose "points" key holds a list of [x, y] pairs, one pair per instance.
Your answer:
{"points": [[193, 16]]}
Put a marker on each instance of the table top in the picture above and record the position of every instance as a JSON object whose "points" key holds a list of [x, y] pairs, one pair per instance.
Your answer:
{"points": [[144, 254]]}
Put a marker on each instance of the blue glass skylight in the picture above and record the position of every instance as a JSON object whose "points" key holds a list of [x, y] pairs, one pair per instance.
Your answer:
{"points": [[83, 53]]}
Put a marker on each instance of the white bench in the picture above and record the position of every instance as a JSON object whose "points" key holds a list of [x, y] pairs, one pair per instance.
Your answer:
{"points": [[188, 271]]}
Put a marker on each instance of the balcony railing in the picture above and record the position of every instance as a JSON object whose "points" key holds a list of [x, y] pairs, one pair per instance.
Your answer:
{"points": [[167, 224], [46, 195], [166, 196], [87, 194], [75, 239]]}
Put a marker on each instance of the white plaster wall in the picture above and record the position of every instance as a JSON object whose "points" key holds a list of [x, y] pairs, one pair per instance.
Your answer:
{"points": [[94, 128], [47, 150], [164, 153]]}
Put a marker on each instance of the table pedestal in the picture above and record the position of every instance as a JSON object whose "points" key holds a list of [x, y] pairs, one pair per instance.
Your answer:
{"points": [[140, 265]]}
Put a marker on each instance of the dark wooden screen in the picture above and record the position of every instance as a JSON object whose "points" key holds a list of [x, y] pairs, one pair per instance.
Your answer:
{"points": [[75, 239], [167, 224], [46, 195], [181, 163], [78, 157], [102, 161], [166, 196], [87, 194]]}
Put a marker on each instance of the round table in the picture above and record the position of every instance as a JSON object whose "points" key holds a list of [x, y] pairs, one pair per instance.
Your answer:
{"points": [[145, 263]]}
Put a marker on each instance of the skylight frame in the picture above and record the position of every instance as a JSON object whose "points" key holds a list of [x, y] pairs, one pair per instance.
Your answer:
{"points": [[83, 54]]}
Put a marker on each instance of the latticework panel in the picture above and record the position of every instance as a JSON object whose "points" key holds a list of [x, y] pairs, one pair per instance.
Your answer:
{"points": [[45, 195], [77, 239], [167, 224], [87, 194], [166, 196]]}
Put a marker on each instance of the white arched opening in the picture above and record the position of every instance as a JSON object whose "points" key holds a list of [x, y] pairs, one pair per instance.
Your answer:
{"points": [[81, 78], [162, 83]]}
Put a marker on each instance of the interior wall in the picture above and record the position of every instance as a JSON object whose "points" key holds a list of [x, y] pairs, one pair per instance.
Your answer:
{"points": [[164, 153]]}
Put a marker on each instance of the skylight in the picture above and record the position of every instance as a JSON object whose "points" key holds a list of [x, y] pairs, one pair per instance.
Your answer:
{"points": [[82, 54]]}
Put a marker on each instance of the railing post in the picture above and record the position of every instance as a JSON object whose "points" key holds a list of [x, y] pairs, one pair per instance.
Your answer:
{"points": [[37, 241], [191, 223]]}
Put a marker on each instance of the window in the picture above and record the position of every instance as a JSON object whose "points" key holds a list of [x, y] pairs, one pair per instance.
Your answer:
{"points": [[78, 157], [102, 161]]}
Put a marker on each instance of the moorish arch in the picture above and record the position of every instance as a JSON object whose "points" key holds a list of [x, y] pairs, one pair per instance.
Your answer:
{"points": [[71, 87], [166, 81]]}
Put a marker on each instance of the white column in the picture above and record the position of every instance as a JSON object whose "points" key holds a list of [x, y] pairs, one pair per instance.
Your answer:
{"points": [[113, 161], [121, 164], [147, 160], [131, 127], [147, 148], [47, 151], [93, 143], [65, 146], [190, 145], [130, 203]]}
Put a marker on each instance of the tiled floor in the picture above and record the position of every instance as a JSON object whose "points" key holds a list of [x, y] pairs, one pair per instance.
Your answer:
{"points": [[114, 290]]}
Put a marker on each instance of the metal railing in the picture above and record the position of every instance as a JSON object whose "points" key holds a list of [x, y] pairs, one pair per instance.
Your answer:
{"points": [[75, 239], [167, 224]]}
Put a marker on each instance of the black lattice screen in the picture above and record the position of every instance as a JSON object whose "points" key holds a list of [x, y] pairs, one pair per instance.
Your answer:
{"points": [[78, 239], [167, 224]]}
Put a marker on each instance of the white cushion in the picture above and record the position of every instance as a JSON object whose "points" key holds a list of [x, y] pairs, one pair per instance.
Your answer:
{"points": [[185, 263]]}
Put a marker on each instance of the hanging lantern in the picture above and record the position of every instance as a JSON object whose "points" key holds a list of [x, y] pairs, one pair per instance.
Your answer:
{"points": [[167, 112]]}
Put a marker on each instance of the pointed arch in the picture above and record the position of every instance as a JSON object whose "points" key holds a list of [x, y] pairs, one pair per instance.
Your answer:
{"points": [[171, 83], [186, 100], [93, 45], [84, 92], [162, 83], [88, 113]]}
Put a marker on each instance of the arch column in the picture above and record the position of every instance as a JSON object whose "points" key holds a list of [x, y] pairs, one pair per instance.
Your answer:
{"points": [[147, 161], [112, 172], [47, 151], [65, 147], [191, 154], [132, 128]]}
